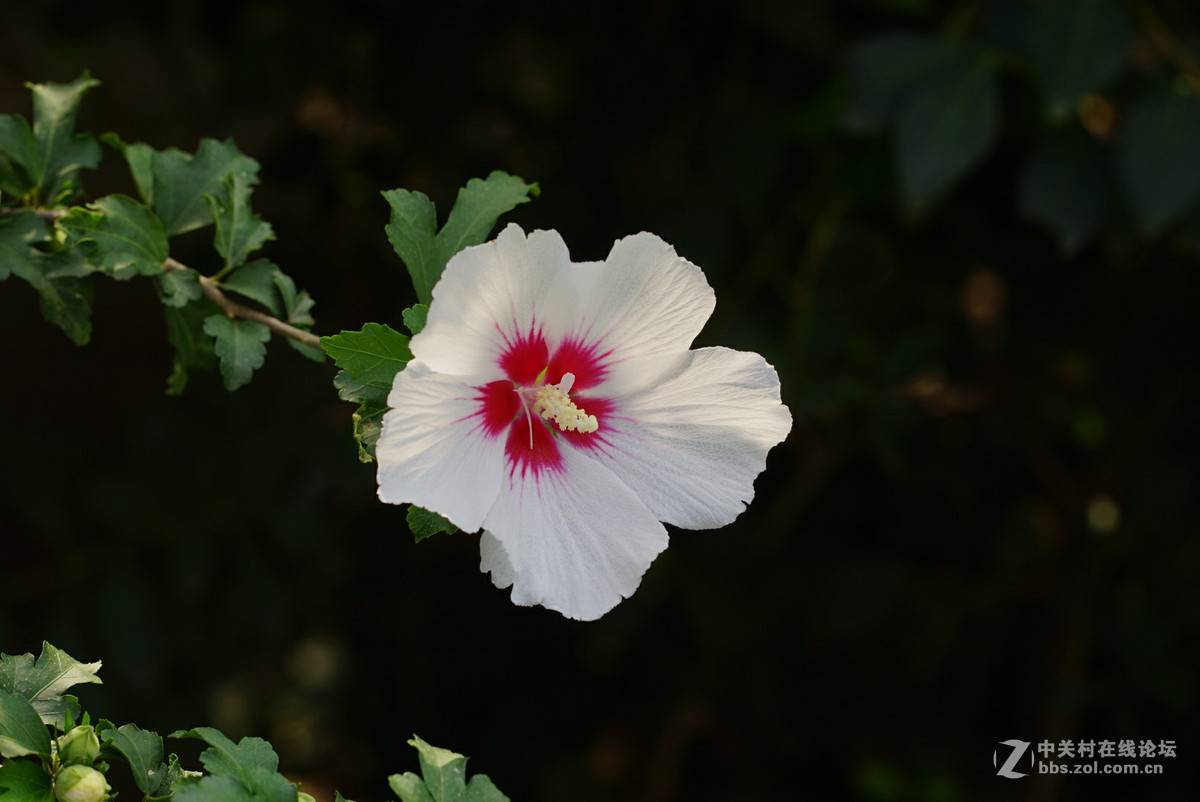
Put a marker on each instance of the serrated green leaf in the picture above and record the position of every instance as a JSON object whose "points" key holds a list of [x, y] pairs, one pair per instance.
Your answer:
{"points": [[180, 286], [350, 389], [174, 183], [25, 781], [944, 130], [44, 681], [194, 348], [297, 304], [372, 356], [368, 424], [18, 157], [61, 152], [122, 236], [256, 281], [409, 788], [143, 750], [1077, 46], [443, 774], [884, 69], [22, 731], [415, 317], [1156, 156], [477, 208], [214, 789], [65, 300], [240, 345], [423, 523], [251, 763], [1066, 186], [239, 231], [413, 233]]}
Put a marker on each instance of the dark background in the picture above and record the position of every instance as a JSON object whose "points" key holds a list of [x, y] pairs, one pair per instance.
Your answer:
{"points": [[982, 527]]}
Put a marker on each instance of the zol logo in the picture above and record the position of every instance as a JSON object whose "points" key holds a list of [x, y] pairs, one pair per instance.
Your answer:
{"points": [[1019, 748]]}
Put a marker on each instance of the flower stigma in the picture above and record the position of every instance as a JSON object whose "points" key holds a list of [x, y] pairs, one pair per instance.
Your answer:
{"points": [[553, 403]]}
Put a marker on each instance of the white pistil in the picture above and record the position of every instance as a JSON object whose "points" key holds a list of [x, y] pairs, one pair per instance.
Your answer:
{"points": [[553, 403]]}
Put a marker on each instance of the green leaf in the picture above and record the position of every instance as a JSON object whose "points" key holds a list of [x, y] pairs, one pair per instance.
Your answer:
{"points": [[297, 304], [884, 69], [413, 226], [194, 348], [61, 152], [251, 763], [256, 281], [1156, 157], [44, 681], [65, 300], [25, 781], [122, 236], [443, 779], [413, 234], [174, 183], [1076, 47], [1066, 186], [423, 523], [477, 208], [415, 317], [239, 232], [143, 750], [180, 285], [22, 731], [945, 130], [368, 425], [372, 356], [240, 345], [19, 160]]}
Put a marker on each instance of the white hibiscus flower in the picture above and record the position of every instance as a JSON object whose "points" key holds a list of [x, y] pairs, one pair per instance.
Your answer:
{"points": [[557, 406]]}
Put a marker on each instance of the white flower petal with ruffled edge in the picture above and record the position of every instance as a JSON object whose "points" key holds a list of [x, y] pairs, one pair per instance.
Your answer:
{"points": [[643, 299], [690, 431], [493, 295], [573, 538], [434, 450]]}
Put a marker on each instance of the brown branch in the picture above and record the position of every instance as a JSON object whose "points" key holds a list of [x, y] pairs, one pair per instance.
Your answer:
{"points": [[235, 310]]}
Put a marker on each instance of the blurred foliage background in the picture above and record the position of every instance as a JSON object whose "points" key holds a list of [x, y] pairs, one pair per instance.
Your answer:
{"points": [[966, 233]]}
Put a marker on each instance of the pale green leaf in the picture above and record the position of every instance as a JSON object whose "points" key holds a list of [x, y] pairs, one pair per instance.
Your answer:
{"points": [[256, 281], [240, 345], [443, 774], [45, 680], [61, 152], [180, 285]]}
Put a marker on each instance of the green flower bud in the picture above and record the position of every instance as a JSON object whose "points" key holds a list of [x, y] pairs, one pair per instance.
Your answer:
{"points": [[79, 746], [80, 784]]}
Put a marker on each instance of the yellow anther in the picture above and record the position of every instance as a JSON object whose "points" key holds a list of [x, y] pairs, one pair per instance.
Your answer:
{"points": [[552, 402]]}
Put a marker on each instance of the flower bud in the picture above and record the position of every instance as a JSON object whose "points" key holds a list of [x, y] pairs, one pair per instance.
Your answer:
{"points": [[79, 746], [80, 784]]}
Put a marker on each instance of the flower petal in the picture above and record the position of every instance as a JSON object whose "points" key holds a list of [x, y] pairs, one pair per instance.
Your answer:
{"points": [[690, 431], [436, 450], [575, 540], [491, 297], [643, 299]]}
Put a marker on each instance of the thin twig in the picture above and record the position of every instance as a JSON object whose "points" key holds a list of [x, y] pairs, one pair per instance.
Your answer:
{"points": [[236, 310]]}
